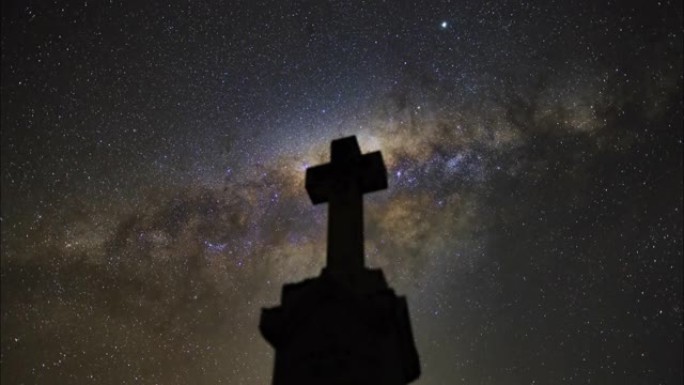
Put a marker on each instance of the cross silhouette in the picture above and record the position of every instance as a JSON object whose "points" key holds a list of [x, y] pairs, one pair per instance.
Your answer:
{"points": [[342, 183]]}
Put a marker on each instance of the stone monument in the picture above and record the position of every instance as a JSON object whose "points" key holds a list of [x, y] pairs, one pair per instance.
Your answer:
{"points": [[345, 326]]}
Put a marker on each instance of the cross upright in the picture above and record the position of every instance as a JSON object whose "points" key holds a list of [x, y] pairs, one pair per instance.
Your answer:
{"points": [[342, 183]]}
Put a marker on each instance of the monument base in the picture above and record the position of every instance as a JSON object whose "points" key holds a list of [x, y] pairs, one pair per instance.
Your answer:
{"points": [[341, 328]]}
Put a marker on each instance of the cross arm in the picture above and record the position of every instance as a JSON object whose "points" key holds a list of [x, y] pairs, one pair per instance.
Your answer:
{"points": [[317, 183], [374, 173]]}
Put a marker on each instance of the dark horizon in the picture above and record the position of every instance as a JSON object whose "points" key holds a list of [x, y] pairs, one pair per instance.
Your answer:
{"points": [[153, 199]]}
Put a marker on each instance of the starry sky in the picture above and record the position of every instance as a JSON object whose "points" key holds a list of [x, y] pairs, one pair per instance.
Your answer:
{"points": [[152, 171]]}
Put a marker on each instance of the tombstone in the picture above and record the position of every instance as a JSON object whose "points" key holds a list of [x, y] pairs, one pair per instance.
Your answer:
{"points": [[346, 326]]}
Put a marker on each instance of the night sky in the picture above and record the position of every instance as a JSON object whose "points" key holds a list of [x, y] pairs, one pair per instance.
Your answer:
{"points": [[153, 202]]}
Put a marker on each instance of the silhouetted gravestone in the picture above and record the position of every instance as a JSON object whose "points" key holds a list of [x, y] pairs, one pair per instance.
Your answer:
{"points": [[345, 326]]}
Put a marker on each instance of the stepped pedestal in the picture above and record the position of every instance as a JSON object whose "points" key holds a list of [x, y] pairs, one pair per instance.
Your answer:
{"points": [[341, 329]]}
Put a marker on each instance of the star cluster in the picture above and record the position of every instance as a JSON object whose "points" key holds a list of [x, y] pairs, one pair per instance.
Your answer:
{"points": [[153, 158]]}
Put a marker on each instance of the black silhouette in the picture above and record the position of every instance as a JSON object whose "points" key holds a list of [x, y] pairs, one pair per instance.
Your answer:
{"points": [[345, 326]]}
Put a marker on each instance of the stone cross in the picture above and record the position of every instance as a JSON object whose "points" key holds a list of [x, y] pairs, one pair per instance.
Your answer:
{"points": [[342, 183]]}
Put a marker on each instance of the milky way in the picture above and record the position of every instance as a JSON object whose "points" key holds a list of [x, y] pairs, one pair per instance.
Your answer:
{"points": [[153, 160]]}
